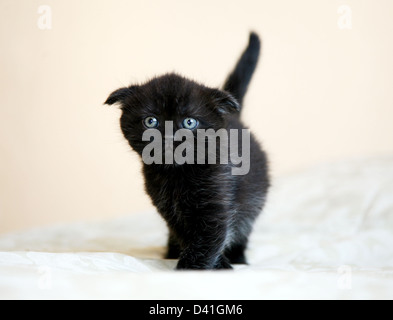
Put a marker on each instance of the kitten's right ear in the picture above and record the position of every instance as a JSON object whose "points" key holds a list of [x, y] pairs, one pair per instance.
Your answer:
{"points": [[119, 95]]}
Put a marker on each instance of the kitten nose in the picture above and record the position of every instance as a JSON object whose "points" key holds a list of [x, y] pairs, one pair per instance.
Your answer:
{"points": [[169, 130]]}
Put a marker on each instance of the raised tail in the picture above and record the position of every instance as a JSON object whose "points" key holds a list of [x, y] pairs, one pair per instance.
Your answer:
{"points": [[238, 81]]}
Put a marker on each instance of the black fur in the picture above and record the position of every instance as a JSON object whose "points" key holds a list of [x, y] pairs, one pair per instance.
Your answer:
{"points": [[209, 211]]}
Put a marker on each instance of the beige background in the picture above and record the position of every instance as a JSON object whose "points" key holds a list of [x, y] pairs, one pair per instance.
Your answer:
{"points": [[320, 93]]}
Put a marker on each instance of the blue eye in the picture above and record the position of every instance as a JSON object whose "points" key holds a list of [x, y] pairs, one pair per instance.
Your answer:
{"points": [[150, 122], [190, 123]]}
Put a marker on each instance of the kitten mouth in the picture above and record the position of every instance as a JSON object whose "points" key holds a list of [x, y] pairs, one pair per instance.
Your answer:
{"points": [[171, 145]]}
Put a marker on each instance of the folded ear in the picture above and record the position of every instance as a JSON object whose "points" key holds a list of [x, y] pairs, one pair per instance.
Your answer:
{"points": [[225, 102], [119, 95]]}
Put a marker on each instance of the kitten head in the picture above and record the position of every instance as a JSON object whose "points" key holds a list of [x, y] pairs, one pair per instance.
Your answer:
{"points": [[186, 103]]}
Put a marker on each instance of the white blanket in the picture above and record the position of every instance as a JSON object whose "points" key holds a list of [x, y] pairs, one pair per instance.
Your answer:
{"points": [[326, 233]]}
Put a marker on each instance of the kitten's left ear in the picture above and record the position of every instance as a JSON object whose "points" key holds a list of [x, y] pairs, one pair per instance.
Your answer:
{"points": [[119, 95], [226, 103]]}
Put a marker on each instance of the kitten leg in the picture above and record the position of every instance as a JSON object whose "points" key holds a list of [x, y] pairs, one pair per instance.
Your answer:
{"points": [[236, 252], [197, 257], [223, 263], [173, 247], [204, 247]]}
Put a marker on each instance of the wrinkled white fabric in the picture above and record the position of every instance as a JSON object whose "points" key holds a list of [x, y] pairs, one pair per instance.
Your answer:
{"points": [[326, 233]]}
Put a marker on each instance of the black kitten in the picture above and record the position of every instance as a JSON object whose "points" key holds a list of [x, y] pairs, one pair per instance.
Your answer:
{"points": [[208, 210]]}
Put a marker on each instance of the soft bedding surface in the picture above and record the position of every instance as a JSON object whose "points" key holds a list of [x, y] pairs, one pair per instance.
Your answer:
{"points": [[326, 233]]}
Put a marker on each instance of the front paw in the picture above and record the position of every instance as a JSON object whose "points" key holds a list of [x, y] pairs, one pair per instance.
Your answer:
{"points": [[187, 264], [192, 264], [223, 263]]}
